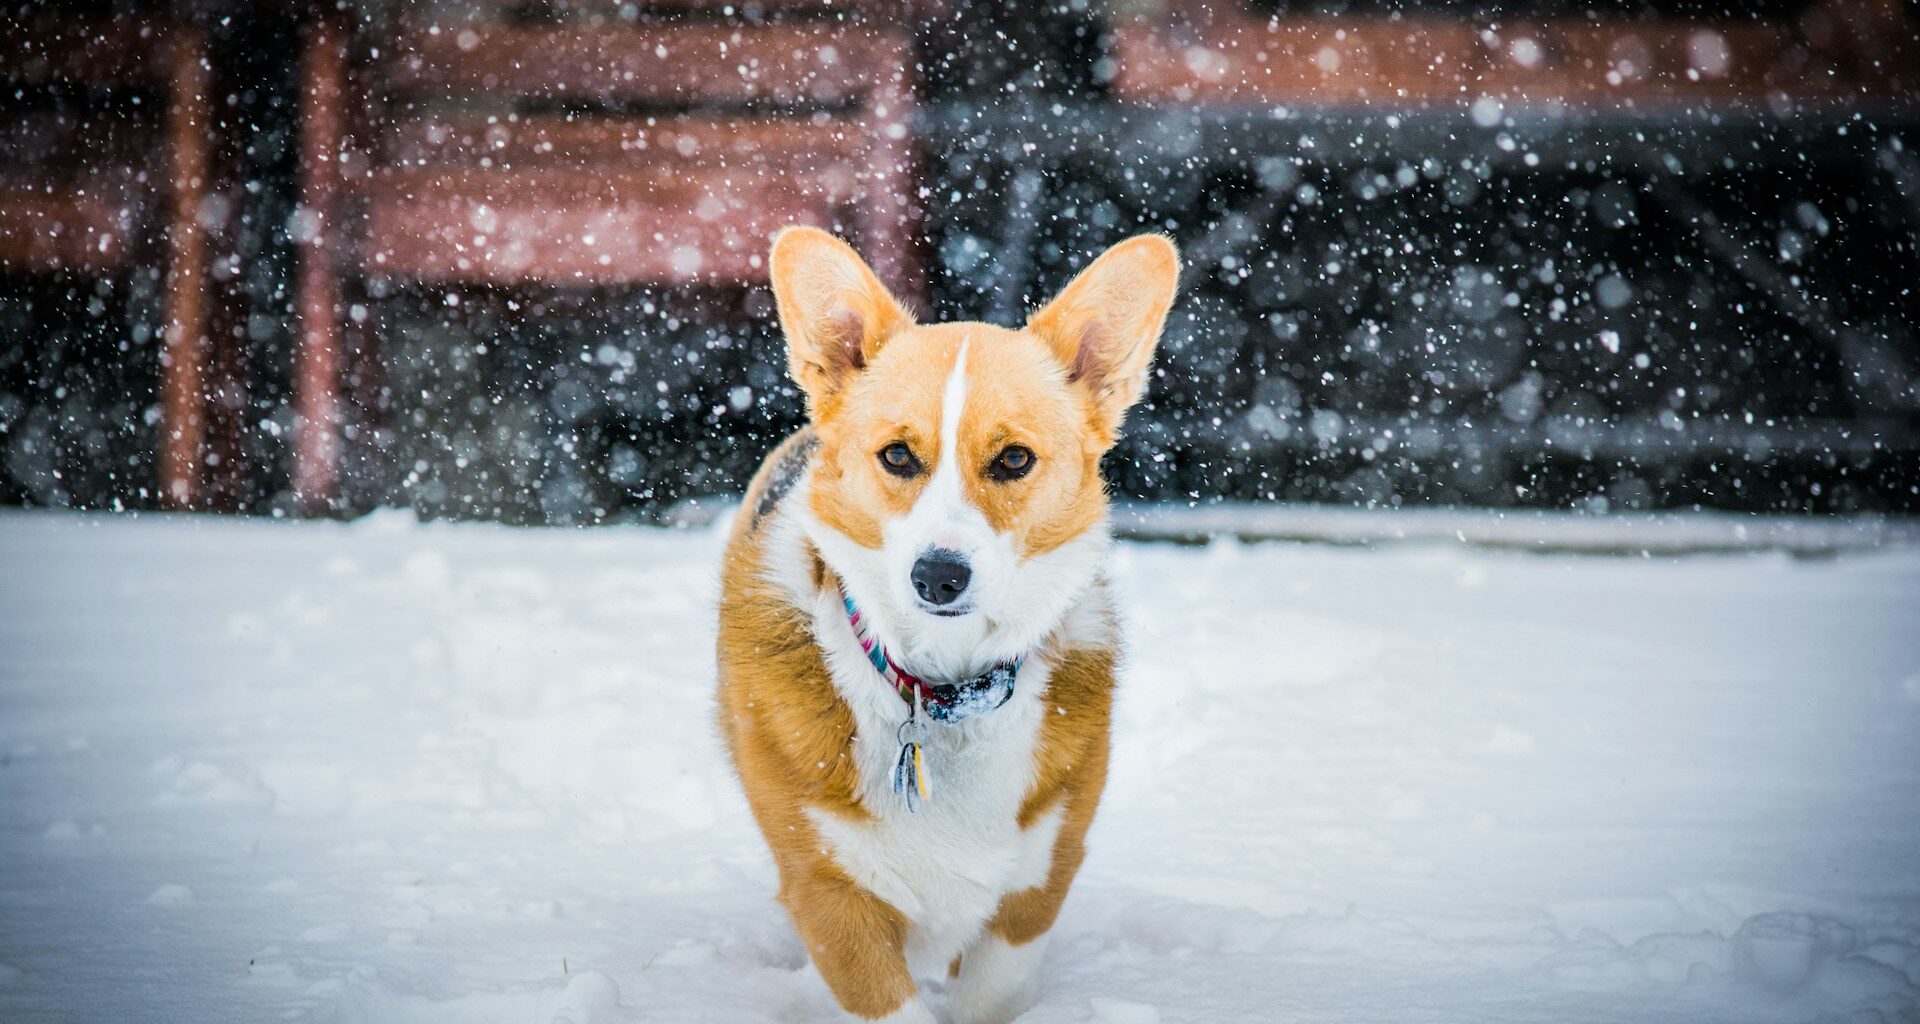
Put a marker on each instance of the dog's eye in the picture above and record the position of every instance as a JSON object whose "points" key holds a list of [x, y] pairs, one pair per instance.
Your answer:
{"points": [[1012, 463], [898, 459]]}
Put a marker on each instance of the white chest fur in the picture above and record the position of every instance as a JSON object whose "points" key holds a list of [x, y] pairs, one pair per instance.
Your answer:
{"points": [[946, 866]]}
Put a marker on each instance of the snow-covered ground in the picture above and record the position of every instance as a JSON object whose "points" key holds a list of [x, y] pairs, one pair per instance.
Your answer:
{"points": [[256, 771]]}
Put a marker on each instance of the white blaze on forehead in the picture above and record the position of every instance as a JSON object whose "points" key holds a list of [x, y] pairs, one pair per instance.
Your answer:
{"points": [[941, 516], [944, 499], [952, 402]]}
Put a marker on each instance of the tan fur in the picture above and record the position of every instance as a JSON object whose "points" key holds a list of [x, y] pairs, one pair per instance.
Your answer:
{"points": [[873, 378], [1018, 394], [1072, 772], [791, 736]]}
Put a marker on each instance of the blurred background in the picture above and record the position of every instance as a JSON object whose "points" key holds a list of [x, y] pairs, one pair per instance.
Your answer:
{"points": [[503, 260]]}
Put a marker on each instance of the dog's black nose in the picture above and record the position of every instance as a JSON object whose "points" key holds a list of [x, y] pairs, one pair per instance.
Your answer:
{"points": [[940, 576]]}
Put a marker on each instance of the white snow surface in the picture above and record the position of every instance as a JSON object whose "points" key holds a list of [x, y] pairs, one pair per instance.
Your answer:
{"points": [[386, 772]]}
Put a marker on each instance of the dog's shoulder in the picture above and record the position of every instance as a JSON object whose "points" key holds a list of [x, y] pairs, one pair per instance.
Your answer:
{"points": [[757, 581], [789, 728], [774, 565], [1072, 748], [779, 472]]}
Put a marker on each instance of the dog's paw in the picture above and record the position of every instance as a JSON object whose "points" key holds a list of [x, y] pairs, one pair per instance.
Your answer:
{"points": [[996, 983], [913, 1011]]}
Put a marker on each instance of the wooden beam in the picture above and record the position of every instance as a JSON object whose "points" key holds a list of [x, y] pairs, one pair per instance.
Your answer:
{"points": [[708, 63], [555, 141], [183, 355], [317, 352], [661, 225], [1314, 58], [1233, 58], [85, 233]]}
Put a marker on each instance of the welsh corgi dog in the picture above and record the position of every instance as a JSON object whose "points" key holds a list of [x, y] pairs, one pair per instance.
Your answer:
{"points": [[917, 643]]}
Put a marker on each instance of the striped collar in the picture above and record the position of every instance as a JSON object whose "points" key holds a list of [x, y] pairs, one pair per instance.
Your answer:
{"points": [[944, 702]]}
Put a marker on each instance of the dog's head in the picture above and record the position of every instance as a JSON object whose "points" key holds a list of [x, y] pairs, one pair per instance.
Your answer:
{"points": [[957, 489]]}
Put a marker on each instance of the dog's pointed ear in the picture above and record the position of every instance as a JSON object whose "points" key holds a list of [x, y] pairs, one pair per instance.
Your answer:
{"points": [[836, 314], [1104, 325]]}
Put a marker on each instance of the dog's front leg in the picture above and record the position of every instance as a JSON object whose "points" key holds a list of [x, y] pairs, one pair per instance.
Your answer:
{"points": [[857, 943], [997, 976], [996, 981]]}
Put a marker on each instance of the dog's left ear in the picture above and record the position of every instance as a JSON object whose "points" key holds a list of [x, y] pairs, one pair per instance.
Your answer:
{"points": [[1104, 325], [835, 313]]}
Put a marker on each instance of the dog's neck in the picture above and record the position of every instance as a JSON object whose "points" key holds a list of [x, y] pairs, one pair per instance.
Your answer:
{"points": [[944, 700]]}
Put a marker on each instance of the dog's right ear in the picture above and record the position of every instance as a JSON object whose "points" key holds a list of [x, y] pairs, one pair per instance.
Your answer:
{"points": [[835, 312]]}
